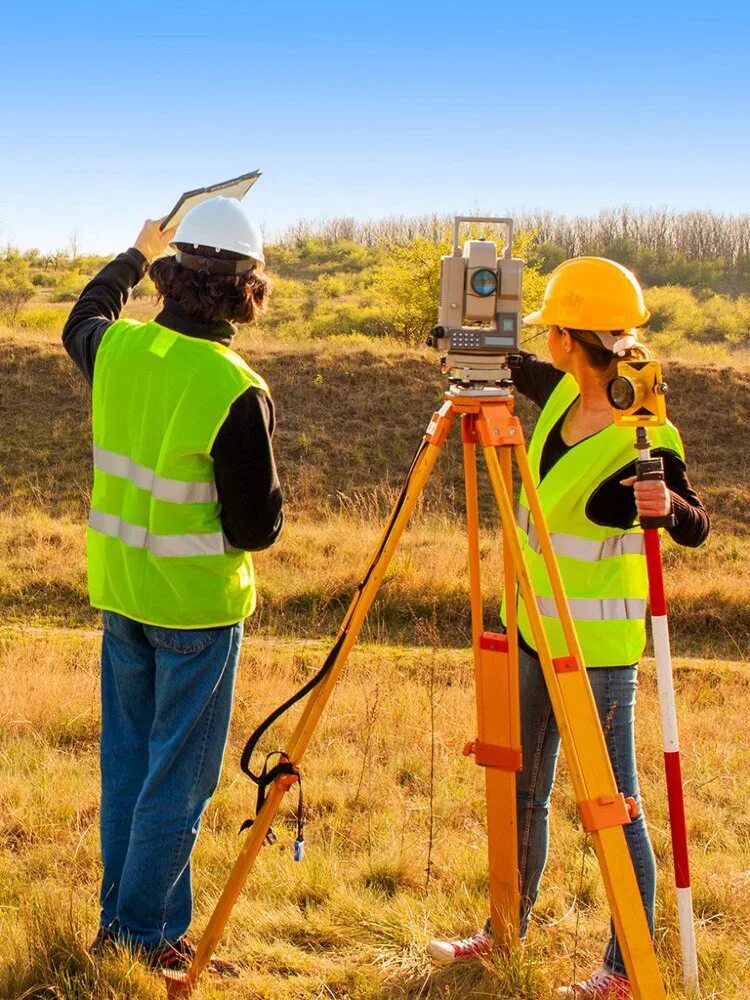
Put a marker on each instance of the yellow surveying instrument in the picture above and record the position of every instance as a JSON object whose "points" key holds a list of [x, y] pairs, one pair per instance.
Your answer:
{"points": [[479, 324], [638, 395]]}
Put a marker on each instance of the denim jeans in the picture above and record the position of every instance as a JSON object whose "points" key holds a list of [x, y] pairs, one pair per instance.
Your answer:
{"points": [[614, 692], [166, 704]]}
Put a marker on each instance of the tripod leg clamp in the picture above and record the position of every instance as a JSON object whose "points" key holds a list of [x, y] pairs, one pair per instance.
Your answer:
{"points": [[489, 755], [286, 781], [607, 811], [566, 664], [439, 427]]}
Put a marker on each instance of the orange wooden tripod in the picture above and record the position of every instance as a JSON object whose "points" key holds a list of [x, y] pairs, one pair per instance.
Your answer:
{"points": [[487, 422]]}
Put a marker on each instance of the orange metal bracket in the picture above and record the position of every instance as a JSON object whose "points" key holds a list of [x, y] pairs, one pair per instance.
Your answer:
{"points": [[607, 811], [566, 664], [469, 429], [490, 755], [495, 641]]}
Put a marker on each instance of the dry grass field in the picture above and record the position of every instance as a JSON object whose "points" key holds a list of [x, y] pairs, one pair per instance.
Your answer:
{"points": [[350, 922]]}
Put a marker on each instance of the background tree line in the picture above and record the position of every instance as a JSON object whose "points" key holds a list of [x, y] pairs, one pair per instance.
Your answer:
{"points": [[380, 278]]}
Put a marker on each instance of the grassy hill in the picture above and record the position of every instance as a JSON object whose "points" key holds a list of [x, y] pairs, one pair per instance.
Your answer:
{"points": [[385, 769], [350, 416]]}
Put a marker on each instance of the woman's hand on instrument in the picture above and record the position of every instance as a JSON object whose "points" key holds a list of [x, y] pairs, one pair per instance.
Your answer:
{"points": [[152, 241], [652, 497]]}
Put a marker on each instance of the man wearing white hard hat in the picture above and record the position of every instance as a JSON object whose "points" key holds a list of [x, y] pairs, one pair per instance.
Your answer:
{"points": [[185, 487]]}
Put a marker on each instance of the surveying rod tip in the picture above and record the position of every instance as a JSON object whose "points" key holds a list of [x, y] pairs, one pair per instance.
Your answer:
{"points": [[178, 984]]}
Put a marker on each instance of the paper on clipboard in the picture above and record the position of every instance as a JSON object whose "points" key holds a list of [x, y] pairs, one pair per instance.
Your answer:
{"points": [[237, 188]]}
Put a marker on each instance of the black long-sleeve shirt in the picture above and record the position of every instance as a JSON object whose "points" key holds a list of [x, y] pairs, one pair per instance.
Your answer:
{"points": [[612, 504], [247, 482]]}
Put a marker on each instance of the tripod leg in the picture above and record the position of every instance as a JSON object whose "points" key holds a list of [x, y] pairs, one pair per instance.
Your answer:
{"points": [[603, 810], [316, 703], [497, 747], [472, 527]]}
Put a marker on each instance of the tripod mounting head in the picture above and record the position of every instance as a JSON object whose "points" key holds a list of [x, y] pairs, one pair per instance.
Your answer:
{"points": [[479, 314]]}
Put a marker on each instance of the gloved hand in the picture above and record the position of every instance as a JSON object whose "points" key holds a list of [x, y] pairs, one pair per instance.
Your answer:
{"points": [[151, 241]]}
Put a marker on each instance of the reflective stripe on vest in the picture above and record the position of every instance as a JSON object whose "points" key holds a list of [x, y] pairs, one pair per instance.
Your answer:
{"points": [[137, 537], [173, 490], [592, 610], [585, 549]]}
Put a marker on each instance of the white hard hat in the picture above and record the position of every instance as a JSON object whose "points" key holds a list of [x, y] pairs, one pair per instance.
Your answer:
{"points": [[219, 223]]}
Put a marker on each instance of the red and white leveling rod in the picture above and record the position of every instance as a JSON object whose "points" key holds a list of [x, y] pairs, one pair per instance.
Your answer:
{"points": [[649, 468]]}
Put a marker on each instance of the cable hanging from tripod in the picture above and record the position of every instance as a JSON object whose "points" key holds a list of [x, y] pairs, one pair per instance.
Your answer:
{"points": [[285, 766]]}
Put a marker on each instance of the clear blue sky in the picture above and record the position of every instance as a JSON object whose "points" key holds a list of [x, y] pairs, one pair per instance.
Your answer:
{"points": [[109, 110]]}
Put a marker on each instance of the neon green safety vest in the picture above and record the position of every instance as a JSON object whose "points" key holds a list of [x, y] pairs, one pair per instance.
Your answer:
{"points": [[603, 568], [156, 551]]}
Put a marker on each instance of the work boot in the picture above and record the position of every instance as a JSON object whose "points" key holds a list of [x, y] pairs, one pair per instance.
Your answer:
{"points": [[105, 940], [603, 985], [177, 957], [478, 946]]}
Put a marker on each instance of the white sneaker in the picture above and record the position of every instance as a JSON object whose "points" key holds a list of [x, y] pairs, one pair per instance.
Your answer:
{"points": [[603, 985], [476, 946]]}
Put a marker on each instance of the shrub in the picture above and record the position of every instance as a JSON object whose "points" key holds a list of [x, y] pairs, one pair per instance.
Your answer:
{"points": [[313, 256], [69, 286], [145, 289], [332, 286], [677, 314], [43, 279], [42, 320], [15, 285], [346, 320]]}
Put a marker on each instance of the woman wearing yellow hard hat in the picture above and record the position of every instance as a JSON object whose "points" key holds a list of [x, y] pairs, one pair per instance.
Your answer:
{"points": [[584, 468]]}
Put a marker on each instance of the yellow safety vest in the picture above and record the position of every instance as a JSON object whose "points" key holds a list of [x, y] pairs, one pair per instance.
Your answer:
{"points": [[156, 550], [603, 568]]}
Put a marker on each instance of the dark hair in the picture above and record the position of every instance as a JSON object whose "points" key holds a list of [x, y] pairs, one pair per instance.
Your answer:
{"points": [[598, 356], [239, 298]]}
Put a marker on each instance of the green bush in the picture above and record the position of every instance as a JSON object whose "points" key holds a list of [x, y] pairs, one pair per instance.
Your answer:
{"points": [[69, 286], [678, 314], [344, 321], [332, 286], [15, 285], [145, 289], [314, 256], [42, 320], [43, 279]]}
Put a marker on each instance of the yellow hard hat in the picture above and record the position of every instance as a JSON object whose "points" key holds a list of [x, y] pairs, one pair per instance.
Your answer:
{"points": [[591, 293]]}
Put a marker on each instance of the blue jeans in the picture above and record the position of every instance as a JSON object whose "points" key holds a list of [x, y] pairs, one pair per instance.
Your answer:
{"points": [[166, 704], [614, 692]]}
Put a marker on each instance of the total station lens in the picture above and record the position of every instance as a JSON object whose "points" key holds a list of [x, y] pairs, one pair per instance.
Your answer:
{"points": [[622, 394], [484, 282]]}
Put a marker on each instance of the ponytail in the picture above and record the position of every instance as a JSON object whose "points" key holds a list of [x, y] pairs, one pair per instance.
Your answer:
{"points": [[603, 360]]}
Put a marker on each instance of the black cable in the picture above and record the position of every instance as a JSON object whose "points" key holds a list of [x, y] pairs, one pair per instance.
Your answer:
{"points": [[533, 337], [267, 776]]}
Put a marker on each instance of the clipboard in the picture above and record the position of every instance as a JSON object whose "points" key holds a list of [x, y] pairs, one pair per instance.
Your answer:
{"points": [[237, 188]]}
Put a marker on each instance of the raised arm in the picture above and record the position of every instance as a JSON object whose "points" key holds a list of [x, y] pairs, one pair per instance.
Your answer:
{"points": [[536, 379], [105, 296]]}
